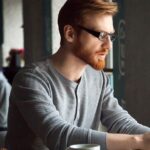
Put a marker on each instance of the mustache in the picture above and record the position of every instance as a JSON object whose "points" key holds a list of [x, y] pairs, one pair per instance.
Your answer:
{"points": [[103, 51]]}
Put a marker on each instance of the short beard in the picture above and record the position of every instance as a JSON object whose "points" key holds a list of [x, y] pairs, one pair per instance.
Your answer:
{"points": [[100, 65], [90, 59]]}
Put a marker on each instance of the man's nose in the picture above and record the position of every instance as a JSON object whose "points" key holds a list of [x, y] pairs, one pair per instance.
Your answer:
{"points": [[107, 43]]}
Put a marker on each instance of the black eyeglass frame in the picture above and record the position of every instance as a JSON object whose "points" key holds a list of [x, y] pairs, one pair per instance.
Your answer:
{"points": [[100, 35]]}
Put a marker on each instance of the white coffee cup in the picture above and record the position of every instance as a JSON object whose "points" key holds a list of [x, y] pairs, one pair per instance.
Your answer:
{"points": [[84, 147]]}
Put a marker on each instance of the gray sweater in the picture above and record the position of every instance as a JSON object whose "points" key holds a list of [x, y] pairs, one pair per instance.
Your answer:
{"points": [[4, 103], [48, 111]]}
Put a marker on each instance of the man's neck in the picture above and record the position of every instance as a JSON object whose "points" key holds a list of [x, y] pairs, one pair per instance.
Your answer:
{"points": [[68, 65]]}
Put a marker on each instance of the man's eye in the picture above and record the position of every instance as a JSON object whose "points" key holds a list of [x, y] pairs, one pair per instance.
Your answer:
{"points": [[102, 35]]}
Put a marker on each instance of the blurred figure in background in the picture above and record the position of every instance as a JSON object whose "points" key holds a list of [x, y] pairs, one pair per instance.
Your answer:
{"points": [[16, 57], [4, 103], [15, 62]]}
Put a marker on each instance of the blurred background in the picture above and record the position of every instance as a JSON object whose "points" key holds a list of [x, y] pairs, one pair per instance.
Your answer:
{"points": [[29, 31]]}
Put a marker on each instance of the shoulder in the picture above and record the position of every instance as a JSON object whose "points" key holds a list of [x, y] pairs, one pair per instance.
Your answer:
{"points": [[33, 74], [32, 80], [37, 68]]}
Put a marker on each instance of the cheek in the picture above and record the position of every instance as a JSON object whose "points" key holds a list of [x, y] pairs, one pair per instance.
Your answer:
{"points": [[88, 43], [91, 45], [93, 48]]}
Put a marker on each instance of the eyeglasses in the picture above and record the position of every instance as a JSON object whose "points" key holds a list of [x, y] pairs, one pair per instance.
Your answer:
{"points": [[102, 36]]}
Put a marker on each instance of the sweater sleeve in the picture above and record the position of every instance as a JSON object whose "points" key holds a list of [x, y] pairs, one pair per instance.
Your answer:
{"points": [[32, 95], [114, 117], [4, 102]]}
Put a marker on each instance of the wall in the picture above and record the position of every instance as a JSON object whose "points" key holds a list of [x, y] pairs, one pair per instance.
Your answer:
{"points": [[33, 26], [41, 34], [137, 70], [37, 29], [12, 25], [56, 5], [1, 31]]}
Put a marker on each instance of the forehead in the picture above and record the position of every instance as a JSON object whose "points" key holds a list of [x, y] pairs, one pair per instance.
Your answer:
{"points": [[99, 22]]}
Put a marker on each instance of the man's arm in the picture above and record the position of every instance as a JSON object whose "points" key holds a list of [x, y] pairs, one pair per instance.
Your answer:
{"points": [[128, 142], [114, 117], [130, 134], [4, 102]]}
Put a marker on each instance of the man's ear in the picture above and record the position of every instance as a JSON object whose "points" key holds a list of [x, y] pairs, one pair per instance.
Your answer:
{"points": [[69, 33]]}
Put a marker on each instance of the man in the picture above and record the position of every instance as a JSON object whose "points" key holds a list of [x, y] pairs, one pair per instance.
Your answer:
{"points": [[4, 102], [61, 100]]}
